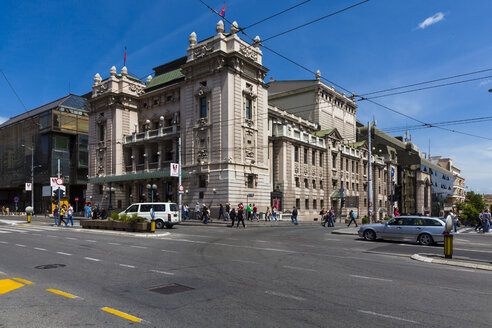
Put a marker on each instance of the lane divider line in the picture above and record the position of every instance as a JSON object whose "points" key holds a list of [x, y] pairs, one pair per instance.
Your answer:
{"points": [[61, 253], [127, 266], [116, 244], [138, 246], [20, 245], [27, 282], [3, 242], [387, 316], [8, 285], [163, 272], [371, 278], [91, 241], [121, 314], [59, 292], [40, 249], [168, 251], [299, 268], [92, 259]]}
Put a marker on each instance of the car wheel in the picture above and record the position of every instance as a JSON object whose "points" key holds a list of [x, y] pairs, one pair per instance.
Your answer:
{"points": [[159, 224], [369, 235], [425, 239]]}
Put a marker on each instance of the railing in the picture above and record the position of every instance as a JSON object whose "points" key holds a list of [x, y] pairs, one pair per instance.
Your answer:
{"points": [[151, 134]]}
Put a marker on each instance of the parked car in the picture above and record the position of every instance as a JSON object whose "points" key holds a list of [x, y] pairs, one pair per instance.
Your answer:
{"points": [[422, 229], [166, 214]]}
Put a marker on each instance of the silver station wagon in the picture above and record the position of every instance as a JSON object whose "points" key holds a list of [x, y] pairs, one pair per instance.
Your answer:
{"points": [[422, 229]]}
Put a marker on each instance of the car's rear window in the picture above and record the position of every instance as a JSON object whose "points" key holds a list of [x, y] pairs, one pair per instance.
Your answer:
{"points": [[173, 207], [431, 222]]}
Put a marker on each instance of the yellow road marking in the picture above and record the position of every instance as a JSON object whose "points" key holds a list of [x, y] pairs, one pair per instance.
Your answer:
{"points": [[61, 293], [121, 314], [27, 282], [8, 285]]}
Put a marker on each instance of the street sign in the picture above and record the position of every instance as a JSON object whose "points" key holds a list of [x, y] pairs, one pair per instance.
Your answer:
{"points": [[28, 186], [174, 170], [392, 173], [152, 213], [16, 199], [76, 199], [251, 195], [55, 182], [180, 188]]}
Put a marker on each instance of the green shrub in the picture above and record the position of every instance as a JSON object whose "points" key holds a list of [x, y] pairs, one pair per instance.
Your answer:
{"points": [[136, 219], [114, 216], [123, 217], [365, 220]]}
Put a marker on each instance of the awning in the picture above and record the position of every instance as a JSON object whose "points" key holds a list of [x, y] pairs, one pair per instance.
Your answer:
{"points": [[335, 195], [164, 173]]}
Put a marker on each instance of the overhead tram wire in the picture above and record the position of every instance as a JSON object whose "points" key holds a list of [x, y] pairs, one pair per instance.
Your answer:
{"points": [[446, 123], [274, 15], [371, 101], [425, 88], [425, 82], [314, 21], [13, 90]]}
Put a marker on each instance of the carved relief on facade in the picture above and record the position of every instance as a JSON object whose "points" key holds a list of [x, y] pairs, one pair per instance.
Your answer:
{"points": [[250, 92], [202, 51], [100, 89], [202, 122], [248, 52], [217, 64], [237, 64], [296, 169], [250, 153], [139, 90], [202, 154]]}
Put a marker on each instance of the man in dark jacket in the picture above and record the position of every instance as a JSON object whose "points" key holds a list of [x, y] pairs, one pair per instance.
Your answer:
{"points": [[293, 217], [232, 215], [240, 217]]}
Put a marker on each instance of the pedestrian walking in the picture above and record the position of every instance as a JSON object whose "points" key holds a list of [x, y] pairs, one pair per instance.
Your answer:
{"points": [[205, 214], [240, 217], [197, 211], [274, 214], [69, 215], [3, 210], [63, 215], [232, 215], [479, 225], [352, 218], [249, 212], [186, 210], [268, 214], [324, 216], [293, 217], [227, 211], [486, 221], [395, 213], [221, 212], [7, 211], [95, 213], [104, 214], [255, 210], [56, 213], [331, 217]]}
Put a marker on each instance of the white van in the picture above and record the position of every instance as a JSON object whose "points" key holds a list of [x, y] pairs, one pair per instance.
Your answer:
{"points": [[166, 214]]}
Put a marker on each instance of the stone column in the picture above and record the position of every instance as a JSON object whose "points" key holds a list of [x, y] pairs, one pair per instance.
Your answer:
{"points": [[160, 149], [134, 159]]}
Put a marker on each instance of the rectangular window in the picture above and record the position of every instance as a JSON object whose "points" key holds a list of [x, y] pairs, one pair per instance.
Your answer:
{"points": [[314, 184], [320, 184], [313, 159], [61, 143], [314, 204], [353, 186], [296, 153], [248, 109], [102, 132], [305, 155], [200, 195], [306, 204], [346, 165], [322, 203], [203, 107], [353, 166], [334, 161], [357, 167], [251, 181], [298, 203], [306, 183], [202, 181], [341, 164], [320, 159], [298, 184]]}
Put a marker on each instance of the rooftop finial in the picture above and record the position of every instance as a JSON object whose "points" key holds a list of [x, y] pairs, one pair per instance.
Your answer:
{"points": [[220, 27], [112, 71], [257, 41], [149, 78], [192, 39], [97, 78], [234, 27], [124, 71], [318, 75]]}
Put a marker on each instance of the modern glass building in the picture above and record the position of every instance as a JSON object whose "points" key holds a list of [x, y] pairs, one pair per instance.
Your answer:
{"points": [[52, 132]]}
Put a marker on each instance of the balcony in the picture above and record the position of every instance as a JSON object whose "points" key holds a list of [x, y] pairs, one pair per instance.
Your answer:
{"points": [[151, 134], [288, 132]]}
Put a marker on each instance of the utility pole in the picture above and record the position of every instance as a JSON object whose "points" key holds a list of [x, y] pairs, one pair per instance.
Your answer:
{"points": [[32, 179], [180, 195], [369, 174], [59, 186]]}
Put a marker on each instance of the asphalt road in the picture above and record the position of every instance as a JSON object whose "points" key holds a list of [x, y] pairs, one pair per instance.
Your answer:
{"points": [[225, 277]]}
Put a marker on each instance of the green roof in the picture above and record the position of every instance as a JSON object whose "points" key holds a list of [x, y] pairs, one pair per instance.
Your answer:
{"points": [[356, 144], [165, 78], [164, 173], [323, 133]]}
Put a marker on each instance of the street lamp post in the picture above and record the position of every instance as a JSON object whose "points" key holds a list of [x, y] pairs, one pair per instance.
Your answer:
{"points": [[32, 174], [152, 188], [111, 190]]}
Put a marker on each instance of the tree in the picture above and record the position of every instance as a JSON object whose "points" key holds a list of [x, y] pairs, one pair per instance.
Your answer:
{"points": [[459, 207], [476, 200], [472, 207]]}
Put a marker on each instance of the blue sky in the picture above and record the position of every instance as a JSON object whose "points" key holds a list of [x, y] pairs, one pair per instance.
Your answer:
{"points": [[45, 46]]}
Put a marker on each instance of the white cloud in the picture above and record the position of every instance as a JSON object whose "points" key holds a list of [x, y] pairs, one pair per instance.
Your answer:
{"points": [[484, 82], [431, 20], [3, 119]]}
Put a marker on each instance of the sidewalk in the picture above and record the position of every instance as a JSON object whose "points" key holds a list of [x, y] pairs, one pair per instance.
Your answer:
{"points": [[251, 224]]}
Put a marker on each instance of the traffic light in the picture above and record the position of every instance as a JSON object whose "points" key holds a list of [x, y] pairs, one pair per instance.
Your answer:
{"points": [[342, 201]]}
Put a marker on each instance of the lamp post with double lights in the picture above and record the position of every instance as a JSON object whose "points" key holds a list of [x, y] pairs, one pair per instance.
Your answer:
{"points": [[32, 174], [111, 190], [152, 188]]}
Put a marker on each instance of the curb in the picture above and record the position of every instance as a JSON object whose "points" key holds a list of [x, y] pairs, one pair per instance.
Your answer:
{"points": [[462, 264]]}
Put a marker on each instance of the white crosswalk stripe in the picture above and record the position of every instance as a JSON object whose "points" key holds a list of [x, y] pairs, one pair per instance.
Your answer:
{"points": [[26, 229]]}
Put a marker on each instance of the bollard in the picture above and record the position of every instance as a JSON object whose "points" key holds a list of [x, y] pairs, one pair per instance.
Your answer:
{"points": [[28, 217], [448, 246], [152, 225]]}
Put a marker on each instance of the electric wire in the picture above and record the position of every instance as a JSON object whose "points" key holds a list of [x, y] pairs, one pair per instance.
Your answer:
{"points": [[274, 15], [13, 90]]}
